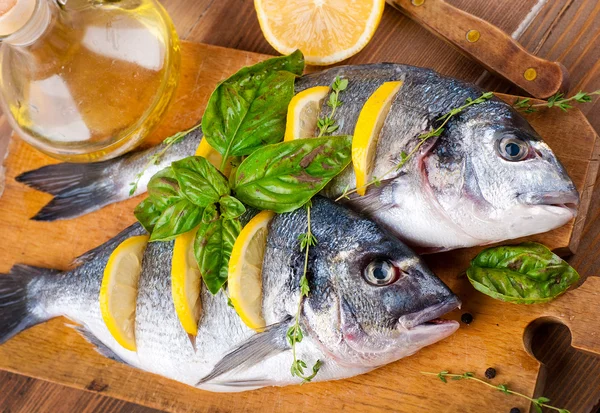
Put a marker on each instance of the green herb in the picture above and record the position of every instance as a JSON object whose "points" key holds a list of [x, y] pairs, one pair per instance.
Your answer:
{"points": [[284, 176], [558, 100], [212, 249], [249, 109], [155, 159], [328, 124], [527, 273], [294, 333], [537, 403], [424, 137], [199, 181], [176, 219], [231, 207]]}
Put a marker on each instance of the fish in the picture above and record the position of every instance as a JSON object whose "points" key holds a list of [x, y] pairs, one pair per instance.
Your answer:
{"points": [[372, 301], [487, 178]]}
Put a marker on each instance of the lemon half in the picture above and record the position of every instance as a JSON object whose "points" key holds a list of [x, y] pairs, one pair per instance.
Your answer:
{"points": [[245, 270], [186, 282], [367, 129], [118, 293]]}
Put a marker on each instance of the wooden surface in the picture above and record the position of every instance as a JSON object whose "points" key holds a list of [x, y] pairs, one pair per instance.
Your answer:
{"points": [[566, 31]]}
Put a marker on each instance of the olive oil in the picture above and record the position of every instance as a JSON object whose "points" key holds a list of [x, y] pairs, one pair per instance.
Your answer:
{"points": [[88, 81]]}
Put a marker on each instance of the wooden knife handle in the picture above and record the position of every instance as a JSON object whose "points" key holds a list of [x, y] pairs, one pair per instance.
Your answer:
{"points": [[488, 45]]}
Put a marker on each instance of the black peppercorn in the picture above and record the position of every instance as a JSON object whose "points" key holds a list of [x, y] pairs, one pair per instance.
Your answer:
{"points": [[515, 410], [490, 373], [467, 318]]}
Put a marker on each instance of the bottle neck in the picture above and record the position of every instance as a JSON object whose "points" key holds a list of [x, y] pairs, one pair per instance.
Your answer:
{"points": [[36, 25]]}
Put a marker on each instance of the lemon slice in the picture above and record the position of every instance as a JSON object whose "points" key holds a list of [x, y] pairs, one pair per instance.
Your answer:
{"points": [[303, 113], [185, 282], [326, 31], [118, 293], [245, 268], [366, 132]]}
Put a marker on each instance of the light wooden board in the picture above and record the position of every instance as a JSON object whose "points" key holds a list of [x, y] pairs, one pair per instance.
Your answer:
{"points": [[54, 352]]}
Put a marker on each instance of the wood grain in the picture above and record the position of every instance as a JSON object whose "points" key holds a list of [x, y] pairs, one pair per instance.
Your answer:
{"points": [[48, 351], [564, 30]]}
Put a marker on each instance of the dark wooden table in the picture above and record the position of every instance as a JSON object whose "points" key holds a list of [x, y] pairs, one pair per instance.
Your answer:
{"points": [[564, 30]]}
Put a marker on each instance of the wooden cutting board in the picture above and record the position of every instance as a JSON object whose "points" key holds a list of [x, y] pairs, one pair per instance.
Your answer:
{"points": [[498, 336]]}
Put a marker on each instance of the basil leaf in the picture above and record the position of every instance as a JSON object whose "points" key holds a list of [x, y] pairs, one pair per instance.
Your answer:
{"points": [[212, 249], [527, 273], [210, 214], [176, 219], [249, 109], [163, 188], [285, 176], [147, 213], [231, 207], [199, 181]]}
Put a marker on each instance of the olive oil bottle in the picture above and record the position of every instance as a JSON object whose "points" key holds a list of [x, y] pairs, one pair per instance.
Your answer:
{"points": [[87, 80]]}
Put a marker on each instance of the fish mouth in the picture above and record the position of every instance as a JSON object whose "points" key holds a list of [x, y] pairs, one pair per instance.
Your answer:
{"points": [[564, 200], [430, 316]]}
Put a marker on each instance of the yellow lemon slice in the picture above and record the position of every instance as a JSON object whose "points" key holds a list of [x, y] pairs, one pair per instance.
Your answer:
{"points": [[118, 293], [245, 269], [303, 113], [326, 31], [366, 133], [185, 282]]}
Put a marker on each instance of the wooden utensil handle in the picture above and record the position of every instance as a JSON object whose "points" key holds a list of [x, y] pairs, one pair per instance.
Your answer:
{"points": [[488, 45]]}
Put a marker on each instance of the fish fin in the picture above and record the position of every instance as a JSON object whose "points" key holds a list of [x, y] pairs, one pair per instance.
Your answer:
{"points": [[252, 351], [15, 305], [99, 346], [111, 244], [249, 383]]}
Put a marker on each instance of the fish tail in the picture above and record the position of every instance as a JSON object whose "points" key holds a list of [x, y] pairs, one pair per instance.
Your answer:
{"points": [[78, 188], [18, 309]]}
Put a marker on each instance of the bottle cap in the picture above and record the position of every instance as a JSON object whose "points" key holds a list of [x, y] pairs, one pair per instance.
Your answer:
{"points": [[14, 14]]}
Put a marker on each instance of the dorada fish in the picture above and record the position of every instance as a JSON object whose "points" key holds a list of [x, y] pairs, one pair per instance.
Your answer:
{"points": [[489, 177], [372, 302]]}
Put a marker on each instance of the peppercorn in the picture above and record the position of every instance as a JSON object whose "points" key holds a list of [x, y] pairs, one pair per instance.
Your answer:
{"points": [[467, 318], [515, 410], [490, 373]]}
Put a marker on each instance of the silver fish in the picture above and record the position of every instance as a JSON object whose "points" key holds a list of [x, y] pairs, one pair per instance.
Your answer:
{"points": [[372, 302], [489, 177]]}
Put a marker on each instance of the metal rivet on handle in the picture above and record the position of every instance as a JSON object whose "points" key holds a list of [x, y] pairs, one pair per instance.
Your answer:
{"points": [[473, 36], [530, 74], [417, 2]]}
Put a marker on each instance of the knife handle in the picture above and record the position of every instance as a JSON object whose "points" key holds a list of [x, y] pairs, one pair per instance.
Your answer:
{"points": [[488, 45]]}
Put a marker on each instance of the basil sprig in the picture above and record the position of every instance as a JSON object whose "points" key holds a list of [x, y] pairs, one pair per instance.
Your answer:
{"points": [[527, 273], [249, 109]]}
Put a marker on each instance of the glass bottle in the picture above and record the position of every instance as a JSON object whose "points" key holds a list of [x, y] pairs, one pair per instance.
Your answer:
{"points": [[88, 80]]}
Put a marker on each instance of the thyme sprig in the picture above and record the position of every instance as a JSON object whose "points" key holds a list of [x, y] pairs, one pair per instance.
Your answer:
{"points": [[155, 159], [328, 124], [558, 100], [537, 403], [422, 138], [294, 333]]}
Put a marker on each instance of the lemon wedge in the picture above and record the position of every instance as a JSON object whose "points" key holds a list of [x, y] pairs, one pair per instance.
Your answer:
{"points": [[118, 293], [303, 113], [209, 153], [326, 31], [367, 129], [245, 269], [185, 282]]}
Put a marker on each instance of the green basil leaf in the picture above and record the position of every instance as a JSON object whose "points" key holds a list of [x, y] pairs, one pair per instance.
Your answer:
{"points": [[249, 109], [199, 181], [163, 188], [527, 273], [231, 207], [284, 176], [176, 219], [210, 214], [212, 249], [147, 213]]}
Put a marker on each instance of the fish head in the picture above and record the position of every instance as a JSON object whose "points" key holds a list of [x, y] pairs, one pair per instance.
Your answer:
{"points": [[494, 177], [372, 299]]}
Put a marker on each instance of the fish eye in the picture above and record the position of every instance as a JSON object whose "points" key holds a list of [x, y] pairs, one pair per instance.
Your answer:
{"points": [[512, 148], [381, 272]]}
